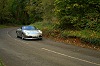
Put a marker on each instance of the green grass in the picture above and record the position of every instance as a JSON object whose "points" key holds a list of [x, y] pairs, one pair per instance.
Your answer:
{"points": [[3, 26], [43, 25], [1, 64], [81, 33], [87, 36], [8, 26]]}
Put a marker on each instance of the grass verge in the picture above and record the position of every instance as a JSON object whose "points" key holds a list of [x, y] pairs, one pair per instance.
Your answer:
{"points": [[8, 26], [83, 38], [1, 64], [3, 26]]}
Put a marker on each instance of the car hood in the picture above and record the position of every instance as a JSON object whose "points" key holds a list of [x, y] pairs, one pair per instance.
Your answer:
{"points": [[31, 31]]}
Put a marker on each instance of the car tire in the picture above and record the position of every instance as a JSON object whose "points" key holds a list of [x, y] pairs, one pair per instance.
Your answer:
{"points": [[23, 37], [40, 38]]}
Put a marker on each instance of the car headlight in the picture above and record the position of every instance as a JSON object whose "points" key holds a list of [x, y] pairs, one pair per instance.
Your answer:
{"points": [[26, 33], [40, 31]]}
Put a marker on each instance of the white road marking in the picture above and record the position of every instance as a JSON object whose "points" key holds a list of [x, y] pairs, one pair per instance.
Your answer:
{"points": [[8, 34], [70, 56]]}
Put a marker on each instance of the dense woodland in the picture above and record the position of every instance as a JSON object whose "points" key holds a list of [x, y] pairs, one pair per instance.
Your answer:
{"points": [[78, 14]]}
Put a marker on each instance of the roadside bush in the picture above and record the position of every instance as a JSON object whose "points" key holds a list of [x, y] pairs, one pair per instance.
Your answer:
{"points": [[88, 36], [94, 41], [1, 64], [66, 23], [46, 27], [71, 34]]}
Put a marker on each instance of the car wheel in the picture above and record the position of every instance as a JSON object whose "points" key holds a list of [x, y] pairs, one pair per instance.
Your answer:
{"points": [[40, 38], [23, 36]]}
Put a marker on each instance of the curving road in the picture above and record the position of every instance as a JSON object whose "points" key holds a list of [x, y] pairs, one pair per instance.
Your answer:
{"points": [[17, 52]]}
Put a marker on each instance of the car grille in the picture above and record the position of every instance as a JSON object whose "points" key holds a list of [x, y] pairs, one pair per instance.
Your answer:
{"points": [[34, 36]]}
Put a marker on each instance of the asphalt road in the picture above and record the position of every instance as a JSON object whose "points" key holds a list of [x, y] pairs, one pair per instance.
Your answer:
{"points": [[17, 52]]}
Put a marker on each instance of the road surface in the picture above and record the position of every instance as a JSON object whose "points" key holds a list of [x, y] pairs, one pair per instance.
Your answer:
{"points": [[17, 52]]}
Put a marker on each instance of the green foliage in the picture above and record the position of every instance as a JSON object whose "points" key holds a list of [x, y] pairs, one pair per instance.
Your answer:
{"points": [[87, 36], [1, 64], [3, 26], [73, 14], [66, 22], [34, 10], [48, 10], [20, 11], [81, 34], [19, 14], [94, 41], [44, 25], [4, 12], [83, 13]]}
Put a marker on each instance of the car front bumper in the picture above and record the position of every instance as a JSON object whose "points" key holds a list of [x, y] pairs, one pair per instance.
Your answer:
{"points": [[33, 37]]}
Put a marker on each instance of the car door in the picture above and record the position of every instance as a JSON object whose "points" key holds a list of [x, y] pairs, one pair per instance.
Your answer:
{"points": [[19, 32]]}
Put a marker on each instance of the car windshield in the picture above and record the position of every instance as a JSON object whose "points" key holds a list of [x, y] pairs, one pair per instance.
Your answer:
{"points": [[28, 28]]}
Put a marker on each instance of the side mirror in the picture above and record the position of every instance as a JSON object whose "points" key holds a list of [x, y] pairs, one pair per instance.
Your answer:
{"points": [[19, 29]]}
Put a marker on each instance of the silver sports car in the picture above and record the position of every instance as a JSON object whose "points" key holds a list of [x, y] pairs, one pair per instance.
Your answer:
{"points": [[29, 32]]}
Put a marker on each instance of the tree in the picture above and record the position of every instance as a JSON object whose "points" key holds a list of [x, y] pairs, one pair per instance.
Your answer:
{"points": [[78, 13], [4, 12], [18, 11], [34, 10], [48, 10]]}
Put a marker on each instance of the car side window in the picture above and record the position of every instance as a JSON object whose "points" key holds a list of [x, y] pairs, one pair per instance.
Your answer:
{"points": [[21, 28]]}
